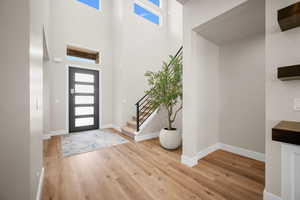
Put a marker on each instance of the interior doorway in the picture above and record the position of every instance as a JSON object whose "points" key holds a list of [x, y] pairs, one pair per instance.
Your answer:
{"points": [[83, 99], [225, 82]]}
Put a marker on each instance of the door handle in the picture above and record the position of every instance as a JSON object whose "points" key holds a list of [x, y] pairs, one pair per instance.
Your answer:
{"points": [[72, 91]]}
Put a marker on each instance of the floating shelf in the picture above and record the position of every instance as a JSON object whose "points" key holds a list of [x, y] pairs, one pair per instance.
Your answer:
{"points": [[289, 73], [289, 17], [287, 132]]}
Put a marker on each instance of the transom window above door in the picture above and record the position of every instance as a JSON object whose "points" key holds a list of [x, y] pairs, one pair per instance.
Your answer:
{"points": [[82, 55]]}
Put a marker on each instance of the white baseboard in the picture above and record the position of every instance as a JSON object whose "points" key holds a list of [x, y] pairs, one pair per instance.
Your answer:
{"points": [[105, 126], [55, 133], [46, 136], [208, 150], [189, 161], [243, 152], [270, 196], [113, 126], [118, 128], [148, 136], [58, 132], [192, 161], [40, 186]]}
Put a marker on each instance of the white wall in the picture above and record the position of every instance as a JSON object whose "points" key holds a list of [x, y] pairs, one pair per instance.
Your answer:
{"points": [[282, 49], [72, 22], [21, 98], [117, 31], [129, 46], [204, 113], [174, 23], [46, 98], [175, 40], [46, 81], [195, 124], [242, 93], [143, 47], [14, 108], [38, 17]]}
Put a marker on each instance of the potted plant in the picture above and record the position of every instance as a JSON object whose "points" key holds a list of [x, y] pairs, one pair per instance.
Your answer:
{"points": [[166, 93]]}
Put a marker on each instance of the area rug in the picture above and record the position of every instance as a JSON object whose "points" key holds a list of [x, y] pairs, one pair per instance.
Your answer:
{"points": [[77, 143]]}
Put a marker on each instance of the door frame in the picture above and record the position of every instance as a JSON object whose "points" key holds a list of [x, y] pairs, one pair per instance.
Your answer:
{"points": [[67, 91]]}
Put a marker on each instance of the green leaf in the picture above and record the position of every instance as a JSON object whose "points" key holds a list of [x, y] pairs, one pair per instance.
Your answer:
{"points": [[166, 85]]}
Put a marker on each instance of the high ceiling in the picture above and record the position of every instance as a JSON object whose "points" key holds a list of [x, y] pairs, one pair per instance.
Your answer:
{"points": [[182, 1], [241, 22]]}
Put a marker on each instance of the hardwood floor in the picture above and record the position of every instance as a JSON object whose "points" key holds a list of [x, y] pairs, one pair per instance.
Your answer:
{"points": [[145, 171]]}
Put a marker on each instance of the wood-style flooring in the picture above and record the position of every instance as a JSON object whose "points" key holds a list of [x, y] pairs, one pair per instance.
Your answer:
{"points": [[145, 171]]}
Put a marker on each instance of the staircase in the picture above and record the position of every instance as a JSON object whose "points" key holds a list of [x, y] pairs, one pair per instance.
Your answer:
{"points": [[144, 111], [131, 128]]}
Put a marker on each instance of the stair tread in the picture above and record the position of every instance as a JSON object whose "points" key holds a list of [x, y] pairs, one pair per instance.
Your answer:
{"points": [[129, 130], [132, 122]]}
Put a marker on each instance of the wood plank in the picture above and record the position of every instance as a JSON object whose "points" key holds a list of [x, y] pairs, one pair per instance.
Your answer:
{"points": [[159, 175], [145, 171]]}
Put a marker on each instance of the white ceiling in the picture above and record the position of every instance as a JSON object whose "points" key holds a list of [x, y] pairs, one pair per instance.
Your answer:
{"points": [[182, 1], [241, 22]]}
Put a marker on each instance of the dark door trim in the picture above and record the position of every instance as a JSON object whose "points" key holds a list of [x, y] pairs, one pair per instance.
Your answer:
{"points": [[72, 106]]}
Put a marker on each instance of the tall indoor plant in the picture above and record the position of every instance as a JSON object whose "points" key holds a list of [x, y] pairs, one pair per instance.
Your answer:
{"points": [[166, 93]]}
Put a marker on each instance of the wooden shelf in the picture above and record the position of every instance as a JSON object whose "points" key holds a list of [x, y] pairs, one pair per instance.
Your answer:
{"points": [[287, 132], [289, 73], [289, 17]]}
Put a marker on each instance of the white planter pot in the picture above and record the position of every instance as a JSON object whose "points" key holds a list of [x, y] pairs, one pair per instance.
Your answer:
{"points": [[170, 139]]}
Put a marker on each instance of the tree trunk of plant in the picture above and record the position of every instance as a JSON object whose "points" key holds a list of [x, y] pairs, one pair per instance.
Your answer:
{"points": [[170, 119], [170, 123]]}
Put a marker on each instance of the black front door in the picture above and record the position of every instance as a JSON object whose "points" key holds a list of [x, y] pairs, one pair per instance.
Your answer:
{"points": [[83, 99]]}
